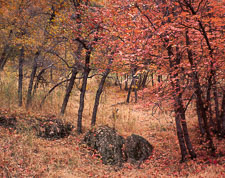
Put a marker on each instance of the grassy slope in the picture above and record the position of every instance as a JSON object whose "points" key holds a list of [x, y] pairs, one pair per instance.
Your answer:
{"points": [[24, 155]]}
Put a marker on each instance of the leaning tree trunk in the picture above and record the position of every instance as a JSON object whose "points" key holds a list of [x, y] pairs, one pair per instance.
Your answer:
{"points": [[68, 90], [143, 84], [208, 95], [51, 90], [198, 91], [182, 131], [20, 81], [186, 134], [178, 109], [180, 136], [72, 79], [99, 92], [32, 76], [5, 56], [211, 75], [130, 89], [6, 52], [39, 76], [218, 121], [83, 90]]}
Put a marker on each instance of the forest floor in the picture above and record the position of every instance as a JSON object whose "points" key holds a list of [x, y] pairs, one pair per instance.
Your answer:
{"points": [[23, 154]]}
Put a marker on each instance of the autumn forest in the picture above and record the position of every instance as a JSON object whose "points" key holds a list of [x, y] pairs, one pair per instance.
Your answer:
{"points": [[148, 74]]}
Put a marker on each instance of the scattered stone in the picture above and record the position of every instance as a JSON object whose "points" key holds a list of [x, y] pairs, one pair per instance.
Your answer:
{"points": [[107, 143], [137, 149], [9, 123], [54, 129]]}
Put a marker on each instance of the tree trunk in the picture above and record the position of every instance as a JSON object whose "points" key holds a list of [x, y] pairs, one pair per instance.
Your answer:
{"points": [[32, 76], [117, 82], [99, 92], [178, 115], [218, 121], [152, 79], [133, 83], [143, 84], [20, 82], [139, 81], [5, 56], [126, 82], [39, 76], [130, 89], [211, 75], [51, 90], [180, 136], [51, 73], [159, 78], [135, 93], [198, 91], [182, 132], [200, 121], [186, 135], [6, 52], [83, 90], [68, 90], [208, 97]]}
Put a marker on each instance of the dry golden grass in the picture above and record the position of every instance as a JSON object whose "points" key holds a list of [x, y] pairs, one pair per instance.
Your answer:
{"points": [[23, 154]]}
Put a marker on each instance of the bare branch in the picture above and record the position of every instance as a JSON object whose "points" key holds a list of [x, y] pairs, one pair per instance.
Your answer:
{"points": [[56, 54]]}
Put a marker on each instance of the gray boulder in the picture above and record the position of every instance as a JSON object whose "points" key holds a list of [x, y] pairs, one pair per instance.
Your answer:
{"points": [[108, 144], [137, 149]]}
